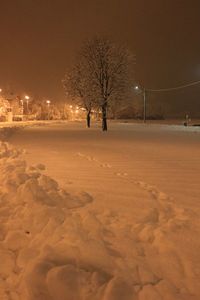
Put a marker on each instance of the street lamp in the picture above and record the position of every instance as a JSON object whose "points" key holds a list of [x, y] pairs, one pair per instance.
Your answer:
{"points": [[27, 101], [143, 91], [22, 103], [144, 105], [48, 105]]}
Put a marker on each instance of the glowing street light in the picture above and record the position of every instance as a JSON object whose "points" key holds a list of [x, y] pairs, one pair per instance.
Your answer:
{"points": [[143, 91], [0, 90], [22, 103], [27, 101], [48, 102]]}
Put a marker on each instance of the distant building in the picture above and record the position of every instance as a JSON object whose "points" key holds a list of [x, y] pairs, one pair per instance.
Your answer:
{"points": [[4, 109], [9, 108]]}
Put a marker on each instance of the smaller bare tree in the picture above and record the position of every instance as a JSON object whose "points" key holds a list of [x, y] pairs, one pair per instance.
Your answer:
{"points": [[76, 86]]}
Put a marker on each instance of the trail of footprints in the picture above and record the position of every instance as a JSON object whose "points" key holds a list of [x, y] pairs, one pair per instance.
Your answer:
{"points": [[151, 232], [93, 159], [164, 215]]}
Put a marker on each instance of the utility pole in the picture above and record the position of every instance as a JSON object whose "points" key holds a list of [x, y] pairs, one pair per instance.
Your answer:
{"points": [[48, 105], [144, 107], [143, 92]]}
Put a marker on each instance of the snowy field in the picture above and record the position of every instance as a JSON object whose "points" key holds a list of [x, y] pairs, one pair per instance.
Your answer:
{"points": [[87, 215]]}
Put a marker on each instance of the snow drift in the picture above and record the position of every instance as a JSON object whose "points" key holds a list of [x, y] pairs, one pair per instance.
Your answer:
{"points": [[47, 249], [54, 245]]}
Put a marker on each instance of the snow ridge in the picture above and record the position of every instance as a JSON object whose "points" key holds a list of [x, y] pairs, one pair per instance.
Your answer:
{"points": [[159, 239], [55, 245]]}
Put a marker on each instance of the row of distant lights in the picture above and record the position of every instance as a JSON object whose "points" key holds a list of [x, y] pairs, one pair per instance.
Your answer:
{"points": [[27, 98], [77, 109]]}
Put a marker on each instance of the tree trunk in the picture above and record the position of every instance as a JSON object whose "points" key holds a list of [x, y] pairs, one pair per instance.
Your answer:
{"points": [[88, 119], [104, 117]]}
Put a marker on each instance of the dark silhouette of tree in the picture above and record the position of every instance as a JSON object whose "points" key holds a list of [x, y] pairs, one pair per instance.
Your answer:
{"points": [[109, 72]]}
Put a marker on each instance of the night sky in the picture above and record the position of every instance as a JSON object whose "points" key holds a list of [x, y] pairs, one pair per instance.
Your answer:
{"points": [[39, 39]]}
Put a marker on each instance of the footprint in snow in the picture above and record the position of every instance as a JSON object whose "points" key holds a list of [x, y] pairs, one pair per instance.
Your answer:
{"points": [[105, 165], [122, 174]]}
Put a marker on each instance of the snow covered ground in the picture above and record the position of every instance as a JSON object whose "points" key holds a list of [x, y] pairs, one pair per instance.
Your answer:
{"points": [[115, 216]]}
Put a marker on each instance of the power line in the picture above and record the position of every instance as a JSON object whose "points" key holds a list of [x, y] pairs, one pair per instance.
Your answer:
{"points": [[174, 88]]}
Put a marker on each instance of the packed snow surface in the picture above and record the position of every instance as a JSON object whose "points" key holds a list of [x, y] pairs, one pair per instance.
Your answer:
{"points": [[113, 216]]}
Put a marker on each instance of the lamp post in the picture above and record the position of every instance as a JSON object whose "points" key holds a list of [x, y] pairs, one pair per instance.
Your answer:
{"points": [[48, 105], [27, 101], [143, 91], [144, 105], [22, 103]]}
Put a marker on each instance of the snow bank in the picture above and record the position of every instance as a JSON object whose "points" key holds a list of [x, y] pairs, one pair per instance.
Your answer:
{"points": [[56, 246], [49, 250], [6, 132]]}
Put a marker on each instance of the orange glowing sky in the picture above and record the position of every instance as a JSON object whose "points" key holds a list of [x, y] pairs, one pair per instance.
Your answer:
{"points": [[40, 38]]}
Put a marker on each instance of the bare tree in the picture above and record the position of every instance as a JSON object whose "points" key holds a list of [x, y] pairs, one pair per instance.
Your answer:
{"points": [[76, 85], [109, 72]]}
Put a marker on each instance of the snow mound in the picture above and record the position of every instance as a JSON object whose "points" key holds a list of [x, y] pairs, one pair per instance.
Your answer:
{"points": [[6, 132], [56, 245], [49, 248], [35, 218]]}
